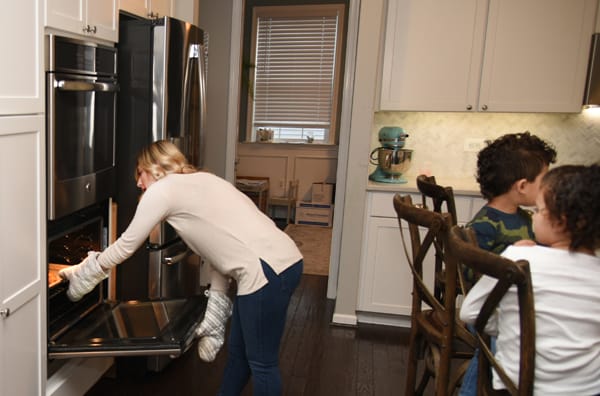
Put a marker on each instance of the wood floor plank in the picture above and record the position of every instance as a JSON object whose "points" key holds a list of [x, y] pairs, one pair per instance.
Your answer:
{"points": [[316, 358]]}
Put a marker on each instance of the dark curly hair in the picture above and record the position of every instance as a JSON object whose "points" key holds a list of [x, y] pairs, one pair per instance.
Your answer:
{"points": [[572, 195], [510, 158]]}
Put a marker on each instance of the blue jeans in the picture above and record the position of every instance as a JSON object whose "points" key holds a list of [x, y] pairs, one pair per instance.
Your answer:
{"points": [[257, 325], [469, 383]]}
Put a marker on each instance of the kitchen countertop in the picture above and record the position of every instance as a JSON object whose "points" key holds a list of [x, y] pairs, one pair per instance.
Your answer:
{"points": [[465, 186]]}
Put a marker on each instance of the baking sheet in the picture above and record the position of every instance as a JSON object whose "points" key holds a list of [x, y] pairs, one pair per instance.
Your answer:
{"points": [[53, 277]]}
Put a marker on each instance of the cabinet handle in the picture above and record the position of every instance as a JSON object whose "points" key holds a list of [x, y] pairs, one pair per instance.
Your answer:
{"points": [[86, 29], [4, 313], [94, 29], [469, 107], [484, 107]]}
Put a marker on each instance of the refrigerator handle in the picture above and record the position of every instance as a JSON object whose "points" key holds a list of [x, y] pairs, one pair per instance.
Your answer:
{"points": [[196, 52], [202, 78]]}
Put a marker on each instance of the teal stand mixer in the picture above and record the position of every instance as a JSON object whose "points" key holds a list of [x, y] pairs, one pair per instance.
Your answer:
{"points": [[391, 158]]}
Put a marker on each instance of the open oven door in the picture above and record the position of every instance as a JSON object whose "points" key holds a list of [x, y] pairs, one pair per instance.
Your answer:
{"points": [[132, 328]]}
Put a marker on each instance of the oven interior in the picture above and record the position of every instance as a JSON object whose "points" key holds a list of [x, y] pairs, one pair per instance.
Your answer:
{"points": [[70, 239]]}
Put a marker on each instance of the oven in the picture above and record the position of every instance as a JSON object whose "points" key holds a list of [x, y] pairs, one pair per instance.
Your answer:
{"points": [[98, 326], [81, 100]]}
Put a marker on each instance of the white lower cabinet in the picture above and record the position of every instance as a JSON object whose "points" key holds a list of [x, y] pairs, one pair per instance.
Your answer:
{"points": [[22, 267], [385, 286]]}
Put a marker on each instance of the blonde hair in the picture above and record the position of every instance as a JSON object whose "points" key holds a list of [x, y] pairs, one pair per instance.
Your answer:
{"points": [[162, 158]]}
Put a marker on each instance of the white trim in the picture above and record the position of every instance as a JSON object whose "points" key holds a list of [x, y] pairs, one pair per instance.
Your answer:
{"points": [[383, 319], [237, 15], [347, 320], [344, 144]]}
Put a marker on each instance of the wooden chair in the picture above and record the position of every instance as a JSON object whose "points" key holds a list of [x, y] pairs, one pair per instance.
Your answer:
{"points": [[437, 336], [256, 187], [288, 200], [433, 197], [438, 195], [509, 273]]}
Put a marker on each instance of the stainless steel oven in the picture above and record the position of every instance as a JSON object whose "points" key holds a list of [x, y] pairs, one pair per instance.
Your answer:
{"points": [[98, 326], [81, 104]]}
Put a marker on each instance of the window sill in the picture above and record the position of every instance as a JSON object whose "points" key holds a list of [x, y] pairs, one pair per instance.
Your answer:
{"points": [[303, 144]]}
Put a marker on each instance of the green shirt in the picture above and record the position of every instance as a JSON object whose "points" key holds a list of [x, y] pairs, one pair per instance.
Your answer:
{"points": [[496, 230]]}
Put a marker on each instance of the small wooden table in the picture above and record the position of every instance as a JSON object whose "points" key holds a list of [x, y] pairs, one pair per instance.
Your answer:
{"points": [[256, 187]]}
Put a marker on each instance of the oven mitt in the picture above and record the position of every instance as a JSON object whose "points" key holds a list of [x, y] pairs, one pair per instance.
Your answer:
{"points": [[84, 276], [212, 329]]}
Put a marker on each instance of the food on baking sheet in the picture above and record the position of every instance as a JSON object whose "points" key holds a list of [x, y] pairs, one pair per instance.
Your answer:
{"points": [[53, 277]]}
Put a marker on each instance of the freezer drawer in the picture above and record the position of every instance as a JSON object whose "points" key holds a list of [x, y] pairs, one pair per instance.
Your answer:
{"points": [[133, 328]]}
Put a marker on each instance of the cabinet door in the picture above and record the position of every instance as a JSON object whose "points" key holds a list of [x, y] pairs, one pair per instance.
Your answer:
{"points": [[102, 16], [386, 278], [160, 8], [432, 55], [136, 7], [66, 15], [21, 68], [22, 268], [536, 55]]}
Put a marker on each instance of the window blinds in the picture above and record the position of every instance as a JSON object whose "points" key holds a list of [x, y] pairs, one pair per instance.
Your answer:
{"points": [[294, 73]]}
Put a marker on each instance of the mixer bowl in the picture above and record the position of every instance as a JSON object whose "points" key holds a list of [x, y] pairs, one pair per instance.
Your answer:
{"points": [[394, 161]]}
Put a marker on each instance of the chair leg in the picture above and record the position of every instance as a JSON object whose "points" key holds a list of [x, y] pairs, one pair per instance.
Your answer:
{"points": [[411, 372]]}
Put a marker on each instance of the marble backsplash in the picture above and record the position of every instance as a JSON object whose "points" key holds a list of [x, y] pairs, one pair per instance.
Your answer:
{"points": [[438, 139]]}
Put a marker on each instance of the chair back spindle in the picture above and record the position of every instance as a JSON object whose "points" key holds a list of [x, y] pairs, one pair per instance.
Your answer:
{"points": [[437, 335], [508, 273]]}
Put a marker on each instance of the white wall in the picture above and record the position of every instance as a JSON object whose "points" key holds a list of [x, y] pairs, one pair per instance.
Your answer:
{"points": [[284, 162], [216, 19]]}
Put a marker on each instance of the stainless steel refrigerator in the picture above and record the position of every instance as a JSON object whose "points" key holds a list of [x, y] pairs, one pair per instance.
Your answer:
{"points": [[162, 66]]}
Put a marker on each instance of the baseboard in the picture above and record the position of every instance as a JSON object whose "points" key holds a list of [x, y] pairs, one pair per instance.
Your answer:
{"points": [[346, 320], [383, 319]]}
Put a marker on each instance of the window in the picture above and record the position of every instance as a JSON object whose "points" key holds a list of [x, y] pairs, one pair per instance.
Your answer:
{"points": [[295, 74]]}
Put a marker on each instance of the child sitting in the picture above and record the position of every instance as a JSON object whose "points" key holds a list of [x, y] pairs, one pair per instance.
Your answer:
{"points": [[509, 170], [565, 276]]}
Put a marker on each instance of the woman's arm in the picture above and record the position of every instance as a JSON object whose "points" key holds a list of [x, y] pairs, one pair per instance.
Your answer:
{"points": [[151, 210], [218, 281]]}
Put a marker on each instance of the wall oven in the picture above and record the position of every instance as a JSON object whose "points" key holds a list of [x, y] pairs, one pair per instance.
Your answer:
{"points": [[97, 325], [81, 104]]}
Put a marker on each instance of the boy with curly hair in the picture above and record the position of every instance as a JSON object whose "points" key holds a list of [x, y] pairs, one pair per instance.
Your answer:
{"points": [[509, 171]]}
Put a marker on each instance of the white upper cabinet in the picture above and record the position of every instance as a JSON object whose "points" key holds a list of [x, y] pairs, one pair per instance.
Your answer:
{"points": [[147, 8], [93, 18], [22, 65], [486, 55]]}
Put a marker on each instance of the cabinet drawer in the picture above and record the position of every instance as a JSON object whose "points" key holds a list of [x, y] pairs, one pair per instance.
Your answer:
{"points": [[382, 203]]}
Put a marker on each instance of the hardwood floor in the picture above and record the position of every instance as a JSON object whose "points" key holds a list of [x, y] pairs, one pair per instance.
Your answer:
{"points": [[317, 358]]}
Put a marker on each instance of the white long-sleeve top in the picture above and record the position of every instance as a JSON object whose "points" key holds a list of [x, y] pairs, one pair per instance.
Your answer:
{"points": [[216, 221], [566, 290]]}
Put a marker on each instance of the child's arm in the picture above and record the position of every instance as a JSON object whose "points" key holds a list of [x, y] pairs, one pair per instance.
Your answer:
{"points": [[473, 302]]}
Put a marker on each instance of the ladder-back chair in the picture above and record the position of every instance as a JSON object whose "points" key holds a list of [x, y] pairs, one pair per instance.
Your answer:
{"points": [[433, 197], [509, 274], [438, 194], [437, 336]]}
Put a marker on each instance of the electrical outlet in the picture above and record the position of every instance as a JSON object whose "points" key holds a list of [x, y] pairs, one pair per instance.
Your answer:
{"points": [[474, 144]]}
